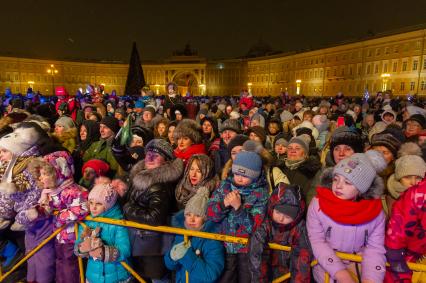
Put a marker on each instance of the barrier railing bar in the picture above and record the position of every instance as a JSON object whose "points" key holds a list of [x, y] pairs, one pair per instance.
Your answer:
{"points": [[31, 253], [80, 260]]}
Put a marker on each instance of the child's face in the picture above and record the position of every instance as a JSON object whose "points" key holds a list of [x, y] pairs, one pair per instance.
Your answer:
{"points": [[409, 181], [45, 179], [343, 189], [281, 218], [273, 128], [241, 180], [194, 174], [96, 208], [5, 155], [89, 174], [280, 149], [388, 117], [193, 222]]}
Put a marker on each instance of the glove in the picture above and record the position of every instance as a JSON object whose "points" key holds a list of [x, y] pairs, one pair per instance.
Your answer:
{"points": [[91, 242], [4, 223], [178, 251], [17, 227], [97, 254], [397, 261]]}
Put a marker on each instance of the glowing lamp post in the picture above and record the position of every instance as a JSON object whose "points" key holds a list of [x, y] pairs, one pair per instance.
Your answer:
{"points": [[249, 87], [31, 84], [52, 71], [157, 89], [385, 78], [298, 83], [202, 89]]}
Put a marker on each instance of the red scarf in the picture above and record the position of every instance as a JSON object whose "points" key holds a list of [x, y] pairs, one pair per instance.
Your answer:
{"points": [[347, 211], [190, 151]]}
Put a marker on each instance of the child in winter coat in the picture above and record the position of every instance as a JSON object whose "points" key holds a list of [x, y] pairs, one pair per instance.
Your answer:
{"points": [[199, 172], [347, 217], [410, 170], [284, 224], [405, 236], [203, 259], [104, 244], [60, 194], [239, 205]]}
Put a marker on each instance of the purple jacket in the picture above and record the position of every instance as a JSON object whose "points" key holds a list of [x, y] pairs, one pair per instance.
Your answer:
{"points": [[327, 236]]}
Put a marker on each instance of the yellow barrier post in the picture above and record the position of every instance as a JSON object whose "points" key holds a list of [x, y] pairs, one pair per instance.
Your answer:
{"points": [[185, 240], [31, 253], [326, 277], [80, 260]]}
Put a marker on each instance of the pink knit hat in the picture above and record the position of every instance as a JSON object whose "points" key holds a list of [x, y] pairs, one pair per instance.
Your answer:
{"points": [[105, 194]]}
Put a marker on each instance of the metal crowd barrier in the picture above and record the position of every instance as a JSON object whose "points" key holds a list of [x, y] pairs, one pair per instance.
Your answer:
{"points": [[186, 234]]}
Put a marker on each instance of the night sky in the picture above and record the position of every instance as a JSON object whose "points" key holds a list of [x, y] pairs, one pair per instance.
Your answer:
{"points": [[95, 29]]}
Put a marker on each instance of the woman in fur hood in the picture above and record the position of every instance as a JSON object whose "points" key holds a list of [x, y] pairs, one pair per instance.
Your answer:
{"points": [[66, 133], [346, 215], [199, 172], [189, 140], [151, 201]]}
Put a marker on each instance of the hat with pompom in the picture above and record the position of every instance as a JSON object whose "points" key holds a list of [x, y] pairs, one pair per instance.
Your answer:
{"points": [[361, 169]]}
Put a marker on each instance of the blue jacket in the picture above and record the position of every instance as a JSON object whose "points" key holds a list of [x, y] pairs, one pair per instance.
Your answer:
{"points": [[204, 260], [111, 235]]}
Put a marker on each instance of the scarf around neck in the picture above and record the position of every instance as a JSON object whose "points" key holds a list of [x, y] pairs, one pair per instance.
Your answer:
{"points": [[294, 164], [347, 211]]}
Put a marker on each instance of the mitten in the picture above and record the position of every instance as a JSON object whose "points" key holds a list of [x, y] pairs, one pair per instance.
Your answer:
{"points": [[4, 223], [97, 254], [178, 251], [110, 254], [17, 227], [397, 261]]}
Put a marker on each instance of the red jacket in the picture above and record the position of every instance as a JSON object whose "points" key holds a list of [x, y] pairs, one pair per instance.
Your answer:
{"points": [[407, 225]]}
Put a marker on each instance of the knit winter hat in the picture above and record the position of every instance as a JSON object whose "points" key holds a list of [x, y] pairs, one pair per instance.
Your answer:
{"points": [[410, 161], [286, 116], [347, 136], [161, 147], [238, 140], [65, 122], [290, 201], [302, 140], [361, 169], [198, 203], [232, 125], [20, 140], [105, 194], [247, 164], [258, 117], [390, 138], [111, 122], [320, 122], [101, 167], [419, 118], [258, 131], [189, 128], [281, 141], [150, 108], [234, 115], [388, 110]]}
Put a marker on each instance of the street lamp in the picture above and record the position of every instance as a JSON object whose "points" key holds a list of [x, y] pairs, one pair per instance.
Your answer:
{"points": [[385, 78], [157, 89], [298, 83], [249, 87], [52, 71], [203, 89], [31, 83]]}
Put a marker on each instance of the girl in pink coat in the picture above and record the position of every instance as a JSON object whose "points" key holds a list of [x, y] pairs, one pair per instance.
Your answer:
{"points": [[347, 216]]}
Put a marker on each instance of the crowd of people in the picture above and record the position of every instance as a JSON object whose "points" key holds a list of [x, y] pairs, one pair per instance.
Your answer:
{"points": [[319, 175]]}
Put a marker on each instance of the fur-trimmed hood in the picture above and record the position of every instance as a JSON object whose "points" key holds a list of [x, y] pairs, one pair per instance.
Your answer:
{"points": [[70, 134], [375, 191], [142, 179]]}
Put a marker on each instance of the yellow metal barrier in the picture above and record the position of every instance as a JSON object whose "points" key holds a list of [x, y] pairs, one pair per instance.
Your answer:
{"points": [[31, 253], [186, 234]]}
